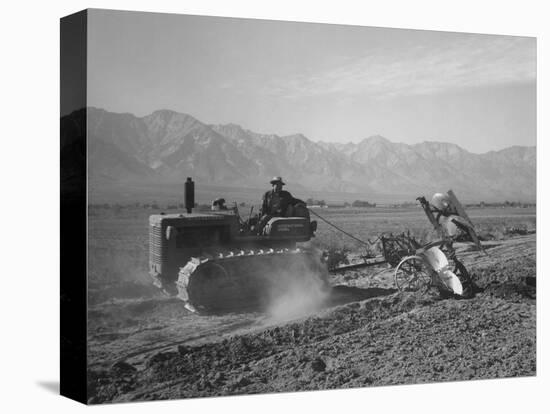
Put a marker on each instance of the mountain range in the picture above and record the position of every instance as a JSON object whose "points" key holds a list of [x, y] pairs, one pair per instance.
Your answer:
{"points": [[167, 147]]}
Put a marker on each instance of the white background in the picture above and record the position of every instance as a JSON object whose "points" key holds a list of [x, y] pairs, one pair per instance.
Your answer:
{"points": [[29, 287]]}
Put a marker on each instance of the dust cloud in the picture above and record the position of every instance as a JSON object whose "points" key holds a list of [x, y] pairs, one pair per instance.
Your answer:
{"points": [[299, 291]]}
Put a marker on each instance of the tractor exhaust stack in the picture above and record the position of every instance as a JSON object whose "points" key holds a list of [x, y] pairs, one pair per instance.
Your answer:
{"points": [[189, 195]]}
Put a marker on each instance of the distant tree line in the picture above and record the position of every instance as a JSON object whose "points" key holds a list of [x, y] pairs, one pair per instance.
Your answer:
{"points": [[516, 204], [312, 202], [154, 205], [361, 203], [147, 206]]}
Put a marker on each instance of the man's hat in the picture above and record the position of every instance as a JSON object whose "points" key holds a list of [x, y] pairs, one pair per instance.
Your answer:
{"points": [[277, 180]]}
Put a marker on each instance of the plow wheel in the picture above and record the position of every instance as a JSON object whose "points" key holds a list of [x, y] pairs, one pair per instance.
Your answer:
{"points": [[411, 274]]}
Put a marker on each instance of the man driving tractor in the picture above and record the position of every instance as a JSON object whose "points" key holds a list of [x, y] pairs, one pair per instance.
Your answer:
{"points": [[279, 203]]}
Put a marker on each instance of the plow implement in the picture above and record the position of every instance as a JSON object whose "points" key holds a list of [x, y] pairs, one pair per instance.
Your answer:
{"points": [[434, 264]]}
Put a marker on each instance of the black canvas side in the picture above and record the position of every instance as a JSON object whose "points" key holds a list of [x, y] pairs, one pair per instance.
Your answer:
{"points": [[73, 219]]}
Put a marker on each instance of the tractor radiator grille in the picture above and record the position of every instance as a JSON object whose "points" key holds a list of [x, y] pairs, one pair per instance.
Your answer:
{"points": [[157, 255]]}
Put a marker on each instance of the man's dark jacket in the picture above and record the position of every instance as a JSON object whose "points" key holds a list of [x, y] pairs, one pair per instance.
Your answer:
{"points": [[276, 203]]}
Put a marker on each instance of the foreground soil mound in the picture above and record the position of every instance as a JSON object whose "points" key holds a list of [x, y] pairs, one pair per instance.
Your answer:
{"points": [[379, 339]]}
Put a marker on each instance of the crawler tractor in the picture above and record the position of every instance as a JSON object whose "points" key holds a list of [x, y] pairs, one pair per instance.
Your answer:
{"points": [[216, 262]]}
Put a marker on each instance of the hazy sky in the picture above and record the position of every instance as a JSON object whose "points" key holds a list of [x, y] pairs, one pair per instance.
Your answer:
{"points": [[330, 82]]}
